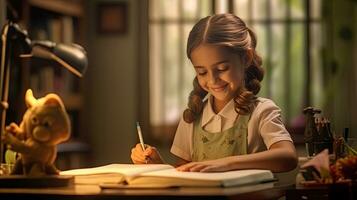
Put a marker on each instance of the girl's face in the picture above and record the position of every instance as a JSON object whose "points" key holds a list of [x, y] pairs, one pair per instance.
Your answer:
{"points": [[218, 71]]}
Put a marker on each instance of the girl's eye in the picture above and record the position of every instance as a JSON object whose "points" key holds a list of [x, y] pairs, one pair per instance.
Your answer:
{"points": [[201, 72], [222, 68]]}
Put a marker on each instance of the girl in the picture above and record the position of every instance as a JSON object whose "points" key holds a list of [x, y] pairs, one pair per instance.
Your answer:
{"points": [[226, 127]]}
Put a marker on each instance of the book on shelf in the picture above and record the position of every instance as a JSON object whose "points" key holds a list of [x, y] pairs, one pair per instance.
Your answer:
{"points": [[46, 80], [56, 29], [162, 176], [67, 23]]}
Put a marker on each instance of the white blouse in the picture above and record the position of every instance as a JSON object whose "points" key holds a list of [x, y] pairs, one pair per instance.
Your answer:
{"points": [[265, 127]]}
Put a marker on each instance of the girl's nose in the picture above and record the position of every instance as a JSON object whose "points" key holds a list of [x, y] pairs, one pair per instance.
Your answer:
{"points": [[213, 77]]}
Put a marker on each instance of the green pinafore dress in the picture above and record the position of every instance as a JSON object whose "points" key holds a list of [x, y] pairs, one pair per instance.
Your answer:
{"points": [[230, 142]]}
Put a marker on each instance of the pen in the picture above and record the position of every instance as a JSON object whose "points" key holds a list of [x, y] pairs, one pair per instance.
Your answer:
{"points": [[141, 139], [140, 136]]}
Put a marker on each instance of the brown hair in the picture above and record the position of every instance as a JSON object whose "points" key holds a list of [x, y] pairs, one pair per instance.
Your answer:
{"points": [[229, 31]]}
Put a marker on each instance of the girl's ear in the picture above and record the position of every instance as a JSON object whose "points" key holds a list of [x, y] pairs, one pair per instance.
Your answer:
{"points": [[30, 99]]}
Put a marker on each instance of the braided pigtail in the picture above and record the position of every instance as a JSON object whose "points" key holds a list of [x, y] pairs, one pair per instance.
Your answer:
{"points": [[195, 102], [253, 75], [244, 102]]}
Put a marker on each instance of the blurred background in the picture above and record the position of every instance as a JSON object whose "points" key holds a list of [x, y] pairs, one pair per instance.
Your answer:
{"points": [[138, 70]]}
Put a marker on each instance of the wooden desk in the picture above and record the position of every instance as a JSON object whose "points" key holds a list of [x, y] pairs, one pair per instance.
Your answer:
{"points": [[337, 191], [93, 192]]}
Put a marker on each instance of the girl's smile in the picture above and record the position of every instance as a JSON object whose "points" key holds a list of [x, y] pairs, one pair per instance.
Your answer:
{"points": [[219, 88]]}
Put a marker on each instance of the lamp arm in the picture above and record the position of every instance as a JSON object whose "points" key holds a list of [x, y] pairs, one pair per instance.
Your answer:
{"points": [[11, 35], [5, 75], [3, 57]]}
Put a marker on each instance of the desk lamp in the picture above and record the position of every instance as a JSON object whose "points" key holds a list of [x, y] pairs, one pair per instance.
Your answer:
{"points": [[15, 43]]}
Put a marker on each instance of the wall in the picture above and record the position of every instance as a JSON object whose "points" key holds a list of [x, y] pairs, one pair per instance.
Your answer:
{"points": [[111, 89]]}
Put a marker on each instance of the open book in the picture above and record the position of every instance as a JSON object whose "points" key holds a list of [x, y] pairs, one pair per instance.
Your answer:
{"points": [[159, 175]]}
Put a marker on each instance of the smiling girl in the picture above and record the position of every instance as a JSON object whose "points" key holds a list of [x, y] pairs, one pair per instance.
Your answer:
{"points": [[226, 126]]}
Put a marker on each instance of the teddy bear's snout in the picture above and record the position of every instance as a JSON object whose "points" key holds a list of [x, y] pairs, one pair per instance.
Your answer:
{"points": [[41, 134]]}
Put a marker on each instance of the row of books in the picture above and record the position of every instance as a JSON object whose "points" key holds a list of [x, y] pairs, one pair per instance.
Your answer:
{"points": [[47, 80], [56, 29]]}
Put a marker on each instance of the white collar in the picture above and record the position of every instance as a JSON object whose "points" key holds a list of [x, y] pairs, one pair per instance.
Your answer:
{"points": [[227, 112]]}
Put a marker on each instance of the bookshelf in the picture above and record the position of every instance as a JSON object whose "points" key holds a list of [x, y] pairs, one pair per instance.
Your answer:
{"points": [[60, 21]]}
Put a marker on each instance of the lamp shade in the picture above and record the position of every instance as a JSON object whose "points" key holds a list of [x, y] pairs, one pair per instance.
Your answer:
{"points": [[71, 56]]}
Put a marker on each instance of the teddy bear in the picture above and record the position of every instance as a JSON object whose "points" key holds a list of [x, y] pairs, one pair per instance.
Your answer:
{"points": [[45, 124]]}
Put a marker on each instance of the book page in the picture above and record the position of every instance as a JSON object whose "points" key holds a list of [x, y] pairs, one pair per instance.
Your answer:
{"points": [[124, 169], [206, 175], [113, 173], [172, 177]]}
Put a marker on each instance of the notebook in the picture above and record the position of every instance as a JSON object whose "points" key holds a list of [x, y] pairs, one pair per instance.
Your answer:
{"points": [[161, 175]]}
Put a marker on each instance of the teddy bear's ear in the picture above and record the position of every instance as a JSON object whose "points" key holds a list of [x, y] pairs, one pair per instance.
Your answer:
{"points": [[52, 100], [30, 99]]}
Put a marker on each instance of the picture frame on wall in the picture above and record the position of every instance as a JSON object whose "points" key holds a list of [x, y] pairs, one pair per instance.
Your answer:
{"points": [[112, 18]]}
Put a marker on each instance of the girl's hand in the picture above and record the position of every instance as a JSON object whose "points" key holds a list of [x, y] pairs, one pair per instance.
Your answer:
{"points": [[150, 156], [205, 166]]}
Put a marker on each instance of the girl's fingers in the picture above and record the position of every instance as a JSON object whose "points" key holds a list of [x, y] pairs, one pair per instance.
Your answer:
{"points": [[139, 155], [149, 155], [137, 160], [209, 169], [139, 150], [138, 147], [185, 167], [153, 155], [133, 158], [148, 151], [197, 168]]}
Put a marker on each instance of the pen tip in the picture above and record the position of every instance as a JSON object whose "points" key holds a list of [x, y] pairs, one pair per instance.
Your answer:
{"points": [[137, 124]]}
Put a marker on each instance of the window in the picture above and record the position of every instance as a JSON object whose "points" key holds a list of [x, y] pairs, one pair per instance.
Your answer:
{"points": [[170, 72], [289, 41]]}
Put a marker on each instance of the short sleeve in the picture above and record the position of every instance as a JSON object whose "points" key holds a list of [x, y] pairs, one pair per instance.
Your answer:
{"points": [[182, 143], [271, 126]]}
